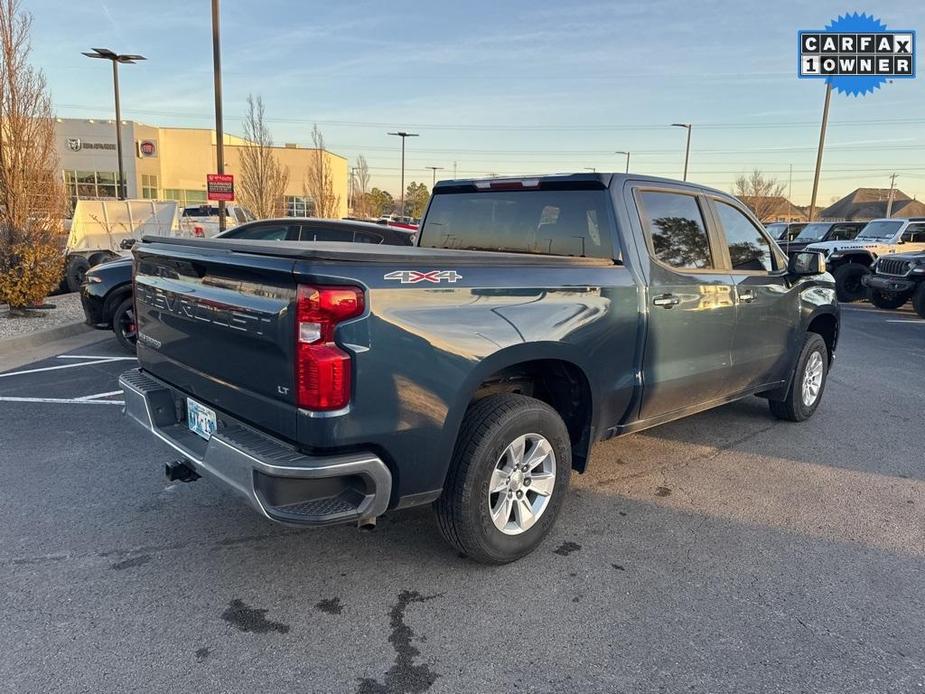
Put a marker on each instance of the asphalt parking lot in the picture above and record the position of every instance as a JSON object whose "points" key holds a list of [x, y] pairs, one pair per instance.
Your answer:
{"points": [[728, 552]]}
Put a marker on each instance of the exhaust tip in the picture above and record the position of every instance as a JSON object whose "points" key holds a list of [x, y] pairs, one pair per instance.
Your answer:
{"points": [[367, 524]]}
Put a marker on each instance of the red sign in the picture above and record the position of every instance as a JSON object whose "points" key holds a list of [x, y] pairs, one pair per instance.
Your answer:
{"points": [[220, 187], [147, 148]]}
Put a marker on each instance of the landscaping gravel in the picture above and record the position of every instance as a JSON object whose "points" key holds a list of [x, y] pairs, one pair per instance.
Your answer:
{"points": [[67, 310]]}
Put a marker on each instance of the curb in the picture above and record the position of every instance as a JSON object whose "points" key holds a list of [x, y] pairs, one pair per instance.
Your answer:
{"points": [[41, 337]]}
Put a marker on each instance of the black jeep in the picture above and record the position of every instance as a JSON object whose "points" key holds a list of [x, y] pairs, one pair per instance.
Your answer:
{"points": [[896, 279]]}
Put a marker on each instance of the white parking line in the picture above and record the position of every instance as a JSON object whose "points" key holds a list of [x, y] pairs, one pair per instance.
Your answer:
{"points": [[55, 368], [62, 401], [89, 356], [100, 395]]}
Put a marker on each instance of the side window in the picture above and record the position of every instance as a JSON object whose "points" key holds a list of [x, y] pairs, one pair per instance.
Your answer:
{"points": [[310, 234], [262, 232], [367, 237], [914, 233], [675, 225], [748, 249], [843, 232]]}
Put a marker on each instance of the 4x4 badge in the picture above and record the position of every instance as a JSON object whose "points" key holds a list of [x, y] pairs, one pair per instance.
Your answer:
{"points": [[413, 276]]}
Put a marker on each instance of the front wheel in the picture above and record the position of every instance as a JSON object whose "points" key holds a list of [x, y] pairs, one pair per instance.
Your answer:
{"points": [[807, 383], [124, 326], [918, 300], [887, 300], [507, 480], [848, 285]]}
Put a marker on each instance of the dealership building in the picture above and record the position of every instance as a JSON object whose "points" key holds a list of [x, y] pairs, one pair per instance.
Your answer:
{"points": [[171, 163]]}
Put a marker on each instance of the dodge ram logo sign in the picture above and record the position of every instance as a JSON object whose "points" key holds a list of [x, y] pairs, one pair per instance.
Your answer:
{"points": [[73, 144]]}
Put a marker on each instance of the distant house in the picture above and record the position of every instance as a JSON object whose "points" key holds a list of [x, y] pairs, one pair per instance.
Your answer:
{"points": [[773, 208], [871, 203]]}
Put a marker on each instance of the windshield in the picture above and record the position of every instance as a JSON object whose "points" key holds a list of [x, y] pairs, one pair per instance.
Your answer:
{"points": [[879, 230], [775, 230], [552, 222], [813, 232]]}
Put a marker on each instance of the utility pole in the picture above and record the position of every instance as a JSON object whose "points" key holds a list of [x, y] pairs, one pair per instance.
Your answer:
{"points": [[454, 169], [687, 149], [403, 135], [889, 200], [790, 186], [217, 81], [115, 58], [627, 159], [435, 169], [825, 121]]}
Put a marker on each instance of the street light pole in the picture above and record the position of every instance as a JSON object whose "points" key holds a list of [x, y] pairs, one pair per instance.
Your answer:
{"points": [[402, 134], [217, 81], [115, 59], [687, 150], [435, 169], [627, 159], [825, 120]]}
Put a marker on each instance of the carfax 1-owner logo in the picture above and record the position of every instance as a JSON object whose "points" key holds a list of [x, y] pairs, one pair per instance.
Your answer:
{"points": [[856, 54]]}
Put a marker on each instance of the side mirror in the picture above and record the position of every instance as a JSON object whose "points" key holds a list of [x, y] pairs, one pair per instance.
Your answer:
{"points": [[806, 263], [127, 244]]}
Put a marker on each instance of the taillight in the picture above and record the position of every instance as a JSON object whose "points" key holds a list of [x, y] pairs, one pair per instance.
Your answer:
{"points": [[199, 231], [323, 368]]}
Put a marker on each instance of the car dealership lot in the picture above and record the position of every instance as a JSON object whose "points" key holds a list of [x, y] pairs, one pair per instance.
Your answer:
{"points": [[725, 552]]}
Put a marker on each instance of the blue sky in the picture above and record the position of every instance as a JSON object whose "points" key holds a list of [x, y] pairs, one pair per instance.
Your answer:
{"points": [[505, 86]]}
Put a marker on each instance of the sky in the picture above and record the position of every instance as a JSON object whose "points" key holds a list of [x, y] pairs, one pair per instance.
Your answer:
{"points": [[505, 86]]}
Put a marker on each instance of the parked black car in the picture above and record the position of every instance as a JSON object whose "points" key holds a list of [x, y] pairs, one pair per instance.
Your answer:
{"points": [[822, 231], [106, 292], [896, 279]]}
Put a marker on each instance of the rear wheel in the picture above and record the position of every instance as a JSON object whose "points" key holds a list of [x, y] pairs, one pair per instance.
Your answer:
{"points": [[918, 299], [124, 326], [75, 272], [848, 285], [507, 480], [887, 300], [807, 383]]}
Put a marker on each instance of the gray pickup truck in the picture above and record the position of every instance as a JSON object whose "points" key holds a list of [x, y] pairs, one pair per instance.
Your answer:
{"points": [[331, 383]]}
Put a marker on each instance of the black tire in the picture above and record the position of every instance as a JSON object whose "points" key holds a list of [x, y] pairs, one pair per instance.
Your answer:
{"points": [[918, 300], [887, 300], [98, 258], [463, 512], [848, 285], [77, 267], [793, 408], [124, 326]]}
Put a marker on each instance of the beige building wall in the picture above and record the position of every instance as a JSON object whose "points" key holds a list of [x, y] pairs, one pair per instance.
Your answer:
{"points": [[178, 169]]}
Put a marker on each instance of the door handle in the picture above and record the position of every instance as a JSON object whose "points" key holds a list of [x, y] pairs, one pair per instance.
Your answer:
{"points": [[747, 297], [666, 300]]}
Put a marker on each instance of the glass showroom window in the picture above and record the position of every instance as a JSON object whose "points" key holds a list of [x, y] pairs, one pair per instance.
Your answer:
{"points": [[298, 206], [149, 186]]}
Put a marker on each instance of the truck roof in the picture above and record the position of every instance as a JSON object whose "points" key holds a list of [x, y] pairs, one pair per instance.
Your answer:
{"points": [[579, 180]]}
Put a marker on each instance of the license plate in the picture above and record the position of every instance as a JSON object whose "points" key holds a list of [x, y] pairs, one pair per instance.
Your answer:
{"points": [[200, 419]]}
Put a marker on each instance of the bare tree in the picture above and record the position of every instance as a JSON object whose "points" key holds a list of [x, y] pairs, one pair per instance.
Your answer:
{"points": [[763, 195], [32, 200], [263, 179], [360, 178], [319, 183]]}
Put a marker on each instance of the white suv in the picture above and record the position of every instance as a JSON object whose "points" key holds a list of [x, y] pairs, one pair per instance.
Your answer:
{"points": [[849, 261]]}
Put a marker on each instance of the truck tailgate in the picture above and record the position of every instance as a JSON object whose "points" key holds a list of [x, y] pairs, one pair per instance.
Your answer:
{"points": [[217, 325]]}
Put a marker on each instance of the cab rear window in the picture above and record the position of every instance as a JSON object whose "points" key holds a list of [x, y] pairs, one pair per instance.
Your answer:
{"points": [[550, 222]]}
